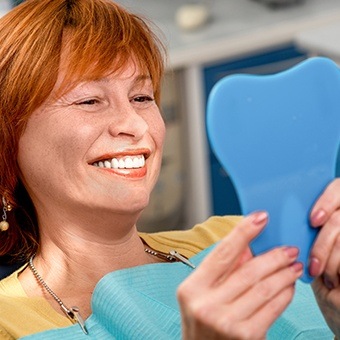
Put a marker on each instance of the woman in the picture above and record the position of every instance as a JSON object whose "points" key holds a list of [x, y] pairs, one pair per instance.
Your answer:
{"points": [[81, 150]]}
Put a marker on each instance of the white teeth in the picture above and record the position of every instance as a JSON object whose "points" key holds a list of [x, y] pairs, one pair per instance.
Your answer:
{"points": [[114, 163], [135, 162], [128, 163], [122, 163], [141, 162]]}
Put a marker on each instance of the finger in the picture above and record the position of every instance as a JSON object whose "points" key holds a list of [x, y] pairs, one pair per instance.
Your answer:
{"points": [[255, 327], [244, 257], [327, 203], [332, 269], [264, 291], [255, 271], [225, 255], [320, 291], [324, 244], [266, 316], [318, 287], [326, 298]]}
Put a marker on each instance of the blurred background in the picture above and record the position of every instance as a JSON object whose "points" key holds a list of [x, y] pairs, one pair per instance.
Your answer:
{"points": [[208, 40]]}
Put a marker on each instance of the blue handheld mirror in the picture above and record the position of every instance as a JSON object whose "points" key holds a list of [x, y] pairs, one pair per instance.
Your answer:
{"points": [[277, 136]]}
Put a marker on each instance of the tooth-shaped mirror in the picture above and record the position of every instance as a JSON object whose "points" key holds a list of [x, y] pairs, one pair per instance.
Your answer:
{"points": [[277, 136]]}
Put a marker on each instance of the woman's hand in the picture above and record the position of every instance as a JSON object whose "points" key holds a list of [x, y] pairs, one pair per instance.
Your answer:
{"points": [[325, 255], [233, 295]]}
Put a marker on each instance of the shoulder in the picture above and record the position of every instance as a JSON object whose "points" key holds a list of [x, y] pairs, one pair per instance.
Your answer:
{"points": [[4, 335], [10, 286], [10, 306], [191, 241], [21, 315]]}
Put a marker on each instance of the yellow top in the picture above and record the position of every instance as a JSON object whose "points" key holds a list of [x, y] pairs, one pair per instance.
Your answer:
{"points": [[21, 315]]}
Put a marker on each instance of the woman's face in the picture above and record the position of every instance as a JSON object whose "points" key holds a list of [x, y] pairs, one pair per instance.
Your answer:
{"points": [[98, 146]]}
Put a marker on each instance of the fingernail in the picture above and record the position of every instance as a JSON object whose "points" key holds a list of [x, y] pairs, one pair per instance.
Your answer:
{"points": [[260, 217], [318, 217], [314, 267], [328, 283], [297, 267], [291, 251]]}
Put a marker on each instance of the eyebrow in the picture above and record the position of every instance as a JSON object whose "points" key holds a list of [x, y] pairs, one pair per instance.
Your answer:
{"points": [[137, 80], [142, 78]]}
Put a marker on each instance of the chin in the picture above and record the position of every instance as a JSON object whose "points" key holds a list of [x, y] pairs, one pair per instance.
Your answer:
{"points": [[136, 206]]}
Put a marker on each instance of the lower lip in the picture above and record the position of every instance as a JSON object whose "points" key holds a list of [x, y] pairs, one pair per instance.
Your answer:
{"points": [[127, 173]]}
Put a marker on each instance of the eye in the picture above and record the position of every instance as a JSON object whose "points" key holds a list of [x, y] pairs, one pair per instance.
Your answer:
{"points": [[143, 99], [91, 104], [88, 102]]}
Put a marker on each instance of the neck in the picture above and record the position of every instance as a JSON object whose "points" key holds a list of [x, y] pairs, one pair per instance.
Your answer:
{"points": [[96, 256], [71, 259]]}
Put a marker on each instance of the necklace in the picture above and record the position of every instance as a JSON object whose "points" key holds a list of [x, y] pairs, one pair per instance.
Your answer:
{"points": [[73, 313], [172, 256]]}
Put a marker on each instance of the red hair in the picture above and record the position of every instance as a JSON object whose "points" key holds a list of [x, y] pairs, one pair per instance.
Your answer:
{"points": [[100, 37]]}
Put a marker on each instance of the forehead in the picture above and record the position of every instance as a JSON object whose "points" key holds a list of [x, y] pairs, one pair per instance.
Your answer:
{"points": [[83, 59], [128, 81], [68, 78]]}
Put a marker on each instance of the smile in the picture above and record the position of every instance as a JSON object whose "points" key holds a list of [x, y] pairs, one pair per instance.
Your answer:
{"points": [[126, 162]]}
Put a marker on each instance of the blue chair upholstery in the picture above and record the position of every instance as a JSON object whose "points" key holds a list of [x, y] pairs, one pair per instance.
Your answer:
{"points": [[6, 270]]}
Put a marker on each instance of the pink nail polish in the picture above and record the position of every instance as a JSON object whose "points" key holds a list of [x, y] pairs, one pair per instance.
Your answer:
{"points": [[291, 251], [318, 217], [297, 267], [314, 267], [260, 217]]}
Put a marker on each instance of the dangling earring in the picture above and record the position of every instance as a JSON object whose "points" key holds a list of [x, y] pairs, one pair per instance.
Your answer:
{"points": [[4, 225]]}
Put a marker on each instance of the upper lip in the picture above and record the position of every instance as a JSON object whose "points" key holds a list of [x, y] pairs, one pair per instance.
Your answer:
{"points": [[126, 153]]}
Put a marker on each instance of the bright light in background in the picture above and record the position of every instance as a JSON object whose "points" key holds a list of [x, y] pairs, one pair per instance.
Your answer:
{"points": [[5, 6]]}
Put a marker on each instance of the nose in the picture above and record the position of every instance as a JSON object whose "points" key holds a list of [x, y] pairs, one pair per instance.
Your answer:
{"points": [[128, 122]]}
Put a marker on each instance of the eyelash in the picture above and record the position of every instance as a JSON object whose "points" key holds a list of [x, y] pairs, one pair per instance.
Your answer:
{"points": [[142, 99], [88, 102], [137, 99]]}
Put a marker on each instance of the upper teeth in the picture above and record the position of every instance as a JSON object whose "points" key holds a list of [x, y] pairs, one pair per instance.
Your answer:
{"points": [[122, 163]]}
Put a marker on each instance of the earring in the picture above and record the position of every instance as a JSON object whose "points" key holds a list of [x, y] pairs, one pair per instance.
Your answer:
{"points": [[4, 225]]}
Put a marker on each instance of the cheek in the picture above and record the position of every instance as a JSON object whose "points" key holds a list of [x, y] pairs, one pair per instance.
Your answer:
{"points": [[157, 130], [49, 147]]}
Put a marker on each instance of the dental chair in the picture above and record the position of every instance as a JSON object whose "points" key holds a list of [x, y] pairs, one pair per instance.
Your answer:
{"points": [[6, 270]]}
